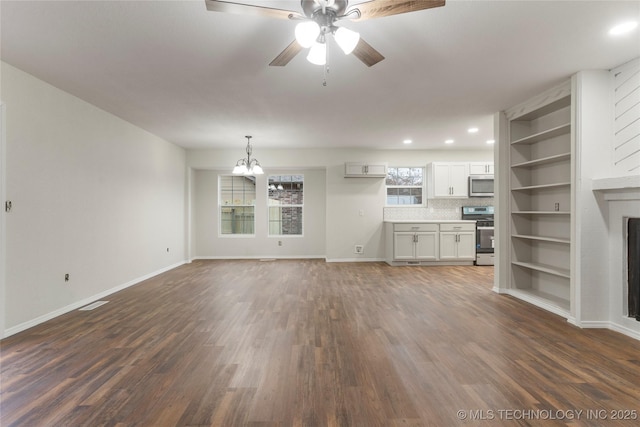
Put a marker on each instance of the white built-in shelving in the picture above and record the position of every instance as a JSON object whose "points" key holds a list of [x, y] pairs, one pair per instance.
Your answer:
{"points": [[540, 199]]}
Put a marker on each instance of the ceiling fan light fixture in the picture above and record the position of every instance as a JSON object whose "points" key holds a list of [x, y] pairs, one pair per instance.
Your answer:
{"points": [[347, 39], [318, 54], [306, 33]]}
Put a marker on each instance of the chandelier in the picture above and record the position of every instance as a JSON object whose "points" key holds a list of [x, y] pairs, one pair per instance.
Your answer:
{"points": [[248, 166]]}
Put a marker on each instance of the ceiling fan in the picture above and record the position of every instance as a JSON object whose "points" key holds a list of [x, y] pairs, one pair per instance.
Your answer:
{"points": [[318, 19]]}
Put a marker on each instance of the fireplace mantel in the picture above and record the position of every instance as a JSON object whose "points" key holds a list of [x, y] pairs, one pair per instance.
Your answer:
{"points": [[618, 188]]}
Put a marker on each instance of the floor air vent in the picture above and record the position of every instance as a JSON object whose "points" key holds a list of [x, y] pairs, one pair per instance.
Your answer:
{"points": [[93, 305]]}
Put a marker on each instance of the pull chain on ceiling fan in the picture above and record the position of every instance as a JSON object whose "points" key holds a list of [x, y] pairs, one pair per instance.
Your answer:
{"points": [[318, 20]]}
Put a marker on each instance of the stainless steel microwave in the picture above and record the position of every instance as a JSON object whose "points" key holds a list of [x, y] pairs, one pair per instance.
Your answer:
{"points": [[480, 185]]}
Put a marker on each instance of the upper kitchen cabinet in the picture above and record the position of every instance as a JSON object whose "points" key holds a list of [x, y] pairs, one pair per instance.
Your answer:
{"points": [[477, 168], [448, 180], [365, 170]]}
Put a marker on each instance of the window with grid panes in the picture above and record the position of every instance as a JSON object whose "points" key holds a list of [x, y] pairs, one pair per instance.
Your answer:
{"points": [[405, 186], [286, 202], [237, 197]]}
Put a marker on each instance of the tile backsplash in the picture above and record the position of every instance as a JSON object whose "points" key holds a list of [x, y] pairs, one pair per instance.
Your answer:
{"points": [[436, 209]]}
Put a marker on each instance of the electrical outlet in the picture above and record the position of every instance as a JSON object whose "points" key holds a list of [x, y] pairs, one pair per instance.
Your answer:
{"points": [[279, 242], [66, 277], [358, 249], [557, 206]]}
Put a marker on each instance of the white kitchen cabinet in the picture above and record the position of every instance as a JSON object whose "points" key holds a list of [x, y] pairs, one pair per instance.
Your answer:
{"points": [[415, 242], [477, 168], [457, 242], [420, 243], [448, 180], [365, 170]]}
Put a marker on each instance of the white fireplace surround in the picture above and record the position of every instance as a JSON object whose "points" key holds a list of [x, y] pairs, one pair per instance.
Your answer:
{"points": [[622, 195]]}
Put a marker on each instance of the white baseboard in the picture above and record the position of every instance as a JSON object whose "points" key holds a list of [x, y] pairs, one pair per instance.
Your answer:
{"points": [[355, 260], [254, 257], [78, 304], [612, 326]]}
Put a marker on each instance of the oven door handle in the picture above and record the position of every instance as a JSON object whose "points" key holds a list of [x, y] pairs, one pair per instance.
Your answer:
{"points": [[486, 228]]}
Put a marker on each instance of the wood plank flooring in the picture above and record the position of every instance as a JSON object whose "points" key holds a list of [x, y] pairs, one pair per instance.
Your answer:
{"points": [[309, 343]]}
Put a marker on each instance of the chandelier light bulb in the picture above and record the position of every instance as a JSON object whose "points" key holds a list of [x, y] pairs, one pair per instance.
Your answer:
{"points": [[346, 39], [240, 169], [306, 33]]}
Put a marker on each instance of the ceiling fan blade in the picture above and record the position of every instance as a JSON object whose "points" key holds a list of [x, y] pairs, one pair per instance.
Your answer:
{"points": [[247, 9], [367, 54], [286, 55], [379, 8]]}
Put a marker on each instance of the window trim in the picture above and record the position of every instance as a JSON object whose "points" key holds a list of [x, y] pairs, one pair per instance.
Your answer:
{"points": [[288, 236], [423, 204], [245, 205]]}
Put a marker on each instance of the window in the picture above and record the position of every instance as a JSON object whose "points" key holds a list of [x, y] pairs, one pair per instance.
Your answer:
{"points": [[237, 204], [286, 199], [405, 186]]}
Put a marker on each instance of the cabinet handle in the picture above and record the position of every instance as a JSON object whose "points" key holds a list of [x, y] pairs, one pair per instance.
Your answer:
{"points": [[415, 238]]}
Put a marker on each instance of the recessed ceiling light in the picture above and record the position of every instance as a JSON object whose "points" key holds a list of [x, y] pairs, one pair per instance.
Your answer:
{"points": [[623, 28], [472, 130], [491, 141], [449, 141], [407, 141]]}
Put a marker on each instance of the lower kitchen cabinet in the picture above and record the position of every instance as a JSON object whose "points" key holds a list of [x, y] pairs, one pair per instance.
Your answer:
{"points": [[457, 245], [415, 242], [423, 244]]}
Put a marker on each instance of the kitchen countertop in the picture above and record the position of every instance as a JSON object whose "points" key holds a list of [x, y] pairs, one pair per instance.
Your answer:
{"points": [[429, 221]]}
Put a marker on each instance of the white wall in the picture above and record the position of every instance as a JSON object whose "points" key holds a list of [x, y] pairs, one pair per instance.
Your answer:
{"points": [[3, 220], [344, 197], [593, 130], [93, 196], [209, 244]]}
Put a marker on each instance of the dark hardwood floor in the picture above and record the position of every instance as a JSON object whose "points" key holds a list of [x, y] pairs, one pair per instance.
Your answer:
{"points": [[309, 343]]}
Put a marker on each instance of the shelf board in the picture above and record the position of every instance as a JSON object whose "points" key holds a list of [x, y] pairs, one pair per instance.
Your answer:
{"points": [[542, 238], [546, 134], [556, 271], [541, 213], [543, 161], [542, 187], [553, 303], [551, 107]]}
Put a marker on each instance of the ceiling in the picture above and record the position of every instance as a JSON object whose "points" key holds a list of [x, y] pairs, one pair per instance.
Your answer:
{"points": [[201, 79]]}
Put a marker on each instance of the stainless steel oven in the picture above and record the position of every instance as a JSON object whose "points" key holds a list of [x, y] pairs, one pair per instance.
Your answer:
{"points": [[485, 243]]}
